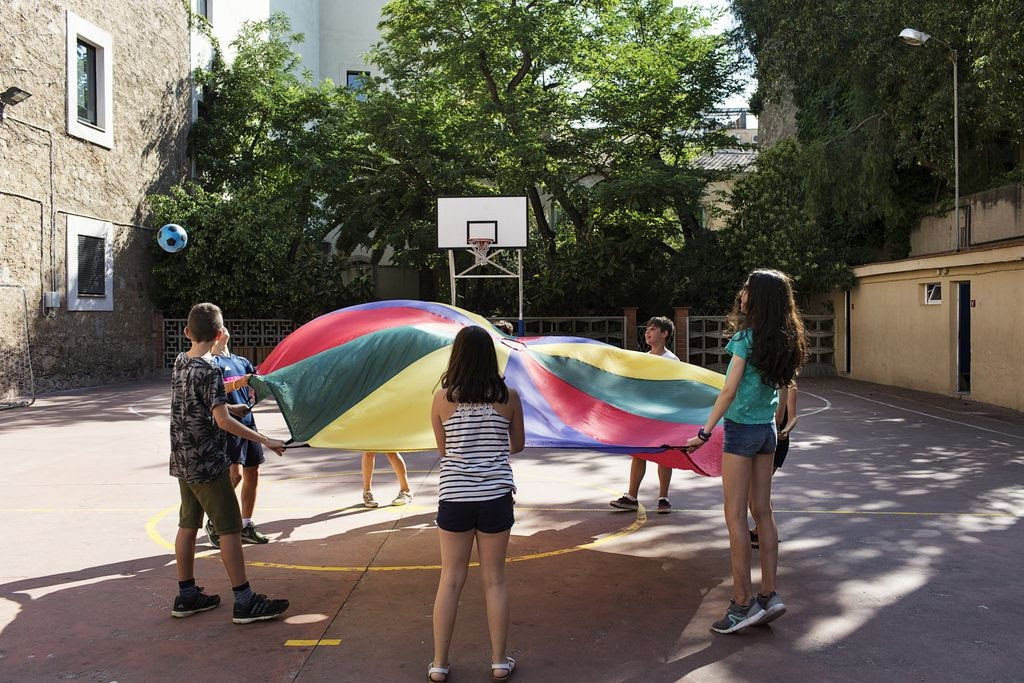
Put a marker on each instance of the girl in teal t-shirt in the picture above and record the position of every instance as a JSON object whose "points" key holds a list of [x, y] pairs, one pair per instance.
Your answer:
{"points": [[767, 350]]}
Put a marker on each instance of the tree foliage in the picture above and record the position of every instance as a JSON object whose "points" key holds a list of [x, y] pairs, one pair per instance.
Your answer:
{"points": [[594, 109], [769, 229], [270, 147], [875, 116]]}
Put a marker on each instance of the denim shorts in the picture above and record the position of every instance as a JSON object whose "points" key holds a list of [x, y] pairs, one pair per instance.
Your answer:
{"points": [[489, 516], [749, 440]]}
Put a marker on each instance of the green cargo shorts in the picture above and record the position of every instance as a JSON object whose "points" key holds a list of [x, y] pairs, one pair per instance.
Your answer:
{"points": [[216, 498]]}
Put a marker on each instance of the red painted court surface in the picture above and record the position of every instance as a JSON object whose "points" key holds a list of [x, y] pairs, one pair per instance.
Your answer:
{"points": [[900, 515]]}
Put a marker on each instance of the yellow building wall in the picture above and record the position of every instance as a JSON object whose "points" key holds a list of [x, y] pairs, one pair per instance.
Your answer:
{"points": [[997, 338], [897, 339]]}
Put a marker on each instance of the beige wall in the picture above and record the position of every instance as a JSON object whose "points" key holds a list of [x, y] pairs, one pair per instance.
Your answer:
{"points": [[994, 215], [899, 340], [716, 203], [151, 90], [997, 333]]}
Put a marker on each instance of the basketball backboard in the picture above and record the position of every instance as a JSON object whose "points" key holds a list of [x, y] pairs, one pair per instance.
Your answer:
{"points": [[500, 219]]}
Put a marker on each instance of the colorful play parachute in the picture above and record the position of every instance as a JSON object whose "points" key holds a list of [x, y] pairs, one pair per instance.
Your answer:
{"points": [[362, 378]]}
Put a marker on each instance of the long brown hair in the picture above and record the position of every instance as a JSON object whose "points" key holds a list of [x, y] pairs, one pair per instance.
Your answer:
{"points": [[772, 316], [472, 375]]}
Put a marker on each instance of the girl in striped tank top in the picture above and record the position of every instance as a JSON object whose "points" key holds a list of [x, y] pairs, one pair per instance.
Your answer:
{"points": [[478, 422]]}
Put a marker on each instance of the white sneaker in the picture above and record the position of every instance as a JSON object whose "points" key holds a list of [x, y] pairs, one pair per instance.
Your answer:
{"points": [[368, 499], [403, 498]]}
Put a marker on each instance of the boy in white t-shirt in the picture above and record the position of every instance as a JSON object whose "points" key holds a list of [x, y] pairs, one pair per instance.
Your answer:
{"points": [[657, 332]]}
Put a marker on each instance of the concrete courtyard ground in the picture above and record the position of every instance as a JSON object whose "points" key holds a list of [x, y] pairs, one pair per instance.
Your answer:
{"points": [[899, 512]]}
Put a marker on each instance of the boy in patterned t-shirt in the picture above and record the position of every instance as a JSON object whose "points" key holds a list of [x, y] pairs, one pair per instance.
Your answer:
{"points": [[199, 420]]}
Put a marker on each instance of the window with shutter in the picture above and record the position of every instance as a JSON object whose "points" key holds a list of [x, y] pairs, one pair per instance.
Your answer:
{"points": [[91, 262]]}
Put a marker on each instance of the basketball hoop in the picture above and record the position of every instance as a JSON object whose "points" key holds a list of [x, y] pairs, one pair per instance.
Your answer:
{"points": [[479, 247]]}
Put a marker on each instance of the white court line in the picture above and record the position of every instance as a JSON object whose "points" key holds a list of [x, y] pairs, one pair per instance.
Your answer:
{"points": [[131, 408], [934, 417], [71, 403], [827, 406]]}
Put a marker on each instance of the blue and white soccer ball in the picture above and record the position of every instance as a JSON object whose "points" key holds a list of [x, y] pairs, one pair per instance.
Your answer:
{"points": [[172, 238]]}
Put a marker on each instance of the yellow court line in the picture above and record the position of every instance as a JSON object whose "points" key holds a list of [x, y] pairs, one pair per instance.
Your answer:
{"points": [[419, 508], [897, 513], [312, 643], [639, 521], [118, 510]]}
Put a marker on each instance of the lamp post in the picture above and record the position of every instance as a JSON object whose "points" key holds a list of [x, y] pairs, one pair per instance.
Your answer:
{"points": [[918, 38]]}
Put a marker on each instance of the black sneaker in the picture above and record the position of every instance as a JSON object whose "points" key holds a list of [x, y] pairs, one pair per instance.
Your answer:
{"points": [[625, 503], [664, 507], [755, 542], [739, 616], [258, 609], [250, 534], [214, 538], [200, 602]]}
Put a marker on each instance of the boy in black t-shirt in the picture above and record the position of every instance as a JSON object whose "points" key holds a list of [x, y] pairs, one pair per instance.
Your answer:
{"points": [[199, 418]]}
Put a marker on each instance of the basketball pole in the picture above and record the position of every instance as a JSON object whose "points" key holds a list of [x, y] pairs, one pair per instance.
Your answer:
{"points": [[522, 324], [451, 270], [454, 277]]}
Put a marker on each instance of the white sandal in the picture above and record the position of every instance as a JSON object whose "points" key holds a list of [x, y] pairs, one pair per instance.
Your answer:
{"points": [[441, 670], [508, 665]]}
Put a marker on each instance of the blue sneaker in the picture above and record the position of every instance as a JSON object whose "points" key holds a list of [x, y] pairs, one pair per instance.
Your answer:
{"points": [[739, 616]]}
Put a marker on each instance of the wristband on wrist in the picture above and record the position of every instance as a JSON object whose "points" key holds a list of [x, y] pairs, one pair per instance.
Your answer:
{"points": [[703, 436]]}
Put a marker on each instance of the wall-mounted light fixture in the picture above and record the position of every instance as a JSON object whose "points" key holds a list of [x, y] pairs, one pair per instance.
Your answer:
{"points": [[13, 95]]}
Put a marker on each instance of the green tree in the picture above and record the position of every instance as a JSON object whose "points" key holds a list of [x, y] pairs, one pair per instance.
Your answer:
{"points": [[593, 109], [769, 229], [597, 107], [271, 149], [875, 117]]}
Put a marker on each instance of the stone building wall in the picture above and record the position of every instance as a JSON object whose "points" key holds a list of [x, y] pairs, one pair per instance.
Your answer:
{"points": [[48, 175], [777, 120]]}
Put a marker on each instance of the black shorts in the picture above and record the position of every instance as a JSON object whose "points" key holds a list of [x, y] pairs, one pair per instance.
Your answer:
{"points": [[781, 450], [488, 516]]}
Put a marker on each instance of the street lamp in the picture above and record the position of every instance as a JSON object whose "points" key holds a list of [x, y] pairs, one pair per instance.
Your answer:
{"points": [[918, 38], [11, 96]]}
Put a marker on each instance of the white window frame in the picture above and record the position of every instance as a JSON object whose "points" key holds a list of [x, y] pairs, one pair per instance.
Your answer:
{"points": [[103, 132], [90, 227], [930, 297]]}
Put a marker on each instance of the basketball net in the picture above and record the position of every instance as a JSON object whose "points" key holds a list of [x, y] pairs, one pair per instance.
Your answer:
{"points": [[479, 247]]}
